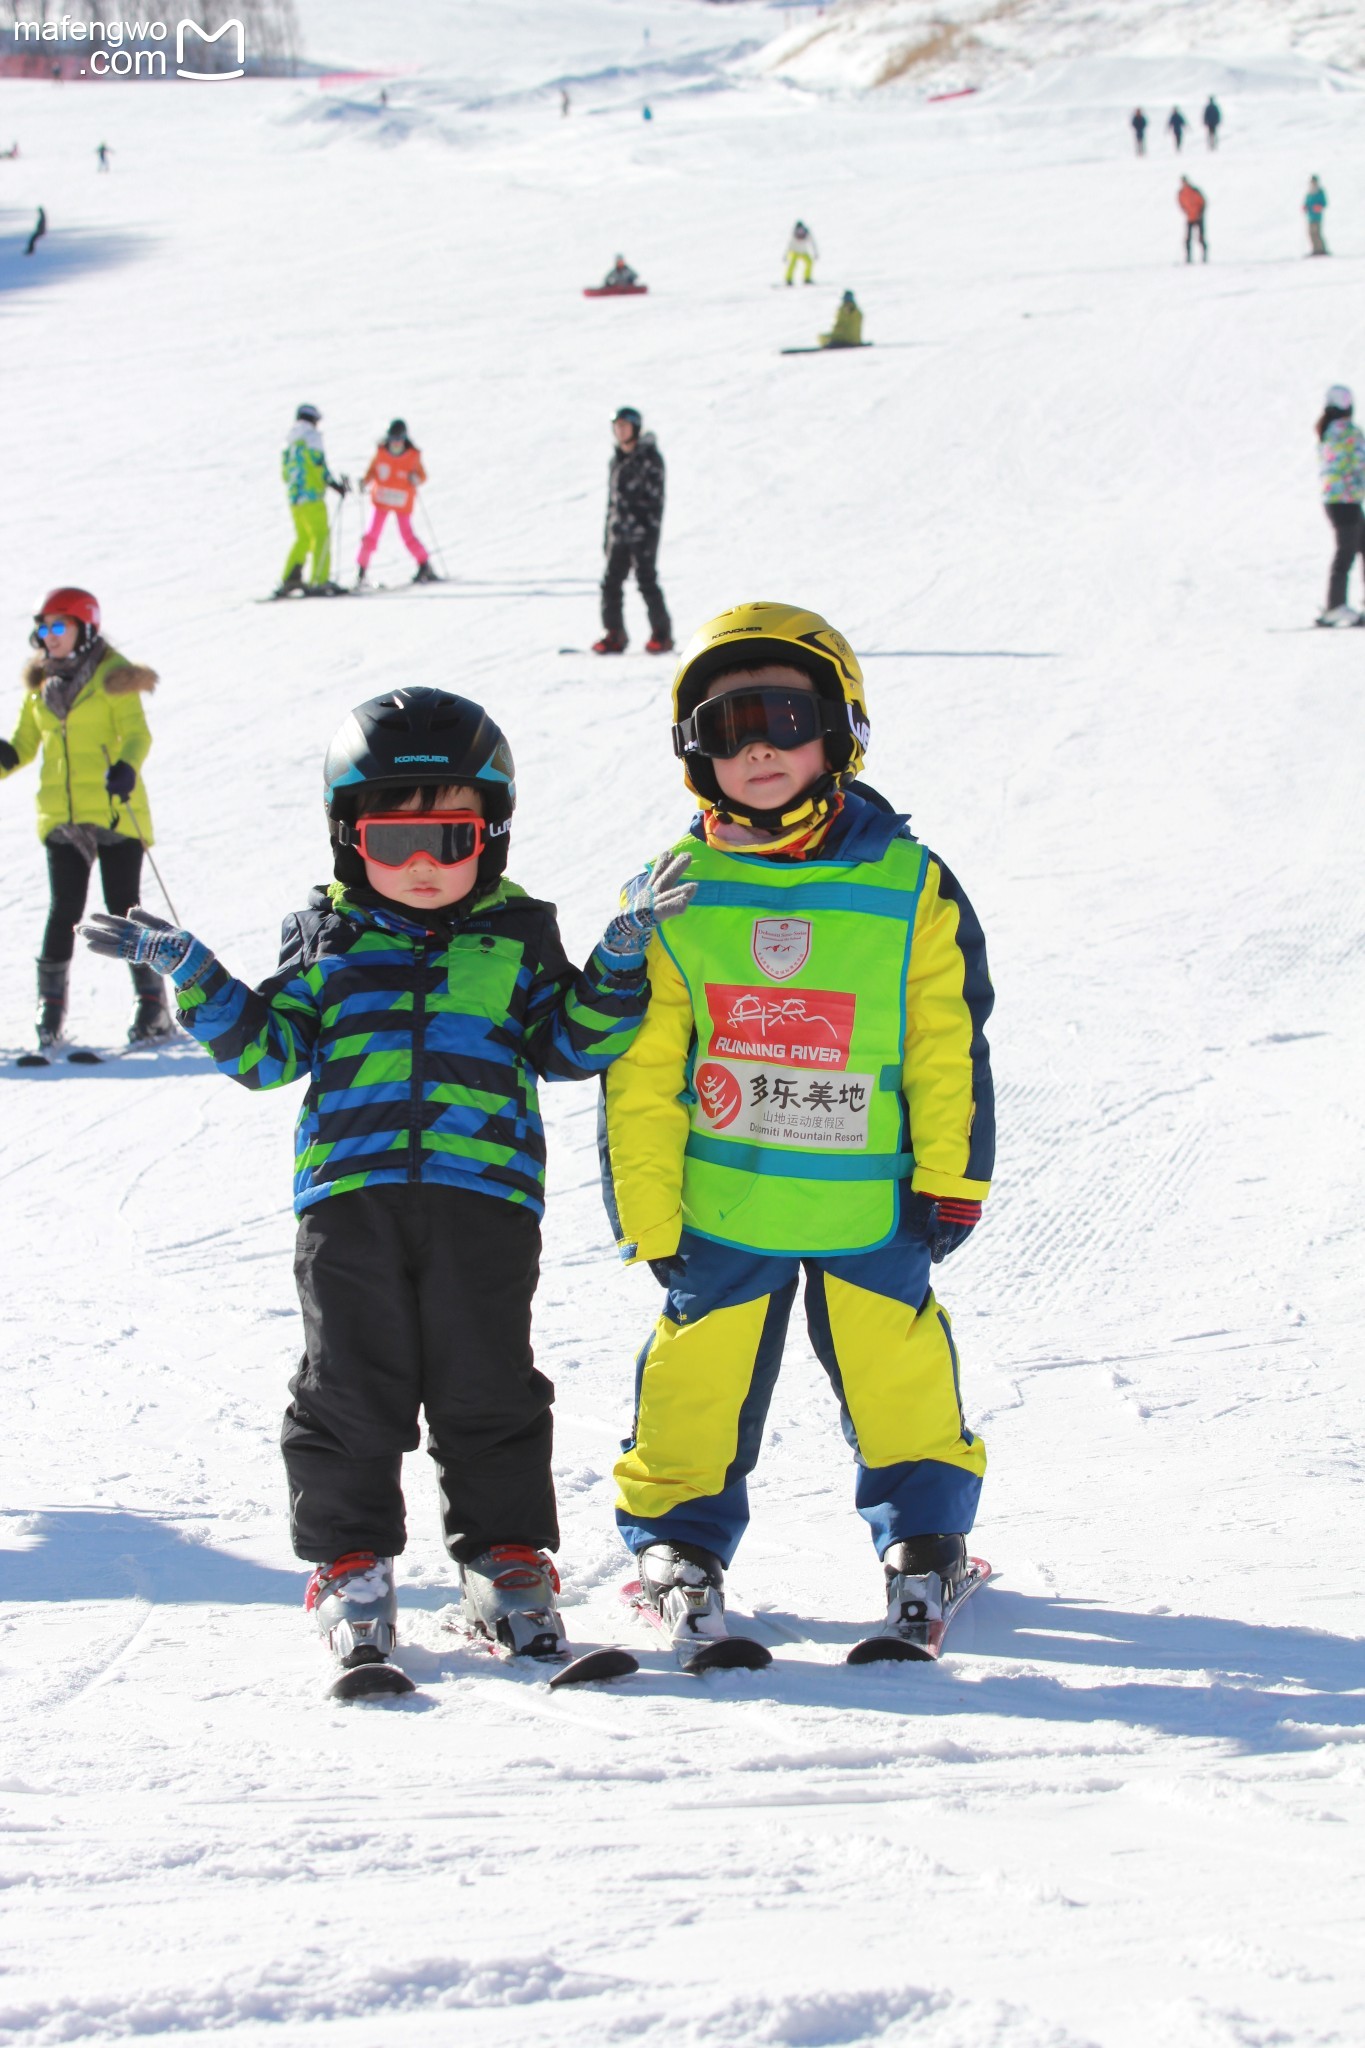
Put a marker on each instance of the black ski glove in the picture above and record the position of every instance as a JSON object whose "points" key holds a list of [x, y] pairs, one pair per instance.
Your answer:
{"points": [[943, 1222], [340, 484], [666, 1271], [8, 758], [120, 778]]}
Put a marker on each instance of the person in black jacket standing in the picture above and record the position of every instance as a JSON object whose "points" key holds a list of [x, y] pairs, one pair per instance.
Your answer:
{"points": [[635, 511]]}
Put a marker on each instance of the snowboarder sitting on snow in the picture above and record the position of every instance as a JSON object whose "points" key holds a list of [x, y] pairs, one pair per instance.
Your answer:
{"points": [[1315, 206], [1341, 464], [801, 249], [635, 512], [810, 1089], [422, 994], [307, 480], [1193, 205], [847, 331], [619, 276], [82, 711], [392, 479]]}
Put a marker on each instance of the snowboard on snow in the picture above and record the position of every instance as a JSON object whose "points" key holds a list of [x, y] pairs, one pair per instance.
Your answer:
{"points": [[614, 291], [924, 1645]]}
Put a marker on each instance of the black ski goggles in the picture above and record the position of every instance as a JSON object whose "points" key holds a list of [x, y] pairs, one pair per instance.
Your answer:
{"points": [[391, 839], [722, 727]]}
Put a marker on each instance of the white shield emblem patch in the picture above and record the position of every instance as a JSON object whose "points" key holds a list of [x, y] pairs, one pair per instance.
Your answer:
{"points": [[781, 946]]}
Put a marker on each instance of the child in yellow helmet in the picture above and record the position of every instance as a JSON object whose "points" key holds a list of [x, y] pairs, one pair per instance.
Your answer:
{"points": [[810, 1091]]}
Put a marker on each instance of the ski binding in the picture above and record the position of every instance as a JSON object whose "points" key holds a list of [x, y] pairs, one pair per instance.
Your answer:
{"points": [[923, 1644]]}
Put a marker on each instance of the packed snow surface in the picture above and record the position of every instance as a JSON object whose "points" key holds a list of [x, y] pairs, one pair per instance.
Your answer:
{"points": [[1067, 510]]}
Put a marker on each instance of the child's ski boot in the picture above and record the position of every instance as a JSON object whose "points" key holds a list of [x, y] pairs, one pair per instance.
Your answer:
{"points": [[927, 1580], [51, 1018], [292, 582], [509, 1597], [354, 1603], [425, 574], [683, 1588]]}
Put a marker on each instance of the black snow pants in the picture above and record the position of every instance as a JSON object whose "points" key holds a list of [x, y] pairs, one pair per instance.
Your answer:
{"points": [[1349, 522], [1193, 228], [68, 873], [417, 1298], [622, 555]]}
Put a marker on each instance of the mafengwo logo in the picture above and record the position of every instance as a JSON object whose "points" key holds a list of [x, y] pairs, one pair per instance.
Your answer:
{"points": [[131, 49]]}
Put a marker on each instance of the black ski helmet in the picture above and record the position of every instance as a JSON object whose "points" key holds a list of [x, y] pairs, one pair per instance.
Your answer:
{"points": [[629, 413], [418, 735], [398, 431], [309, 413]]}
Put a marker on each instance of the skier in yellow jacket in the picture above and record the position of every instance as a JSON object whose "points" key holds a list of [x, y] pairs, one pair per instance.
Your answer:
{"points": [[810, 1090]]}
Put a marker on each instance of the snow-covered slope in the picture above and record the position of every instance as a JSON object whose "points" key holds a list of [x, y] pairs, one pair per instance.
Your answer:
{"points": [[1067, 510], [1161, 46]]}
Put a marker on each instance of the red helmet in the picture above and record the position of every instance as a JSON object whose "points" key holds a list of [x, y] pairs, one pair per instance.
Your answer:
{"points": [[67, 602]]}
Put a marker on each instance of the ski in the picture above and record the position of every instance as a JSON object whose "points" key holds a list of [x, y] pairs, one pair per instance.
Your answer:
{"points": [[587, 1667], [705, 1653], [843, 348], [373, 1679], [925, 1646], [305, 590]]}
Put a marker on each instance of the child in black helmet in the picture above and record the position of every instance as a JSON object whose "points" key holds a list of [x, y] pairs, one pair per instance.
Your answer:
{"points": [[423, 994]]}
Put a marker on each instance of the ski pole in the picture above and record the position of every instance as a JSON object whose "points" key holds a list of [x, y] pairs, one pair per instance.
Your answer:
{"points": [[175, 914], [436, 547]]}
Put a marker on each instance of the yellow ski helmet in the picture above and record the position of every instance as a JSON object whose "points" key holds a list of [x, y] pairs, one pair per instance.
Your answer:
{"points": [[752, 636]]}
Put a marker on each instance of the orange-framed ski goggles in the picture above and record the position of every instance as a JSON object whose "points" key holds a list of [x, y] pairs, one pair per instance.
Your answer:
{"points": [[394, 839]]}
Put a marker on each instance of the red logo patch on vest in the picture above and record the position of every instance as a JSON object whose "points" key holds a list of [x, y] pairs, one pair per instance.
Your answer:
{"points": [[719, 1093], [810, 1027], [781, 946]]}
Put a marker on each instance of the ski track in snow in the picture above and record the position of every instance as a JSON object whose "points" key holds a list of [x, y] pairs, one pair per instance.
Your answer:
{"points": [[1058, 507]]}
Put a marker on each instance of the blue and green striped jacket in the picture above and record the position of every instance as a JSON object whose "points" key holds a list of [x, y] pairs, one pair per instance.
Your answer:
{"points": [[422, 1046]]}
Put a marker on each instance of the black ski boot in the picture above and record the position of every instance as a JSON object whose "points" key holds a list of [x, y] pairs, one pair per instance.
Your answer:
{"points": [[152, 1022], [51, 1020], [425, 574], [685, 1586], [292, 582], [922, 1575]]}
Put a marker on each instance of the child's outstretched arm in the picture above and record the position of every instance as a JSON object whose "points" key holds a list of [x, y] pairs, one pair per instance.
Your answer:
{"points": [[261, 1037], [578, 1022]]}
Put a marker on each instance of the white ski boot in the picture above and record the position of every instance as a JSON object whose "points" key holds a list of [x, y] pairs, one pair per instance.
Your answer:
{"points": [[922, 1575], [685, 1588], [509, 1596], [1339, 615]]}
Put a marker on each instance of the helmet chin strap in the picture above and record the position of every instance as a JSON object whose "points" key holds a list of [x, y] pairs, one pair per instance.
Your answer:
{"points": [[810, 808]]}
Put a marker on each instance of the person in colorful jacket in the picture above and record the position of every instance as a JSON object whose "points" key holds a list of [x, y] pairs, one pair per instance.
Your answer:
{"points": [[82, 717], [847, 330], [801, 250], [1341, 466], [392, 480], [810, 1091], [421, 995], [1315, 206], [307, 480]]}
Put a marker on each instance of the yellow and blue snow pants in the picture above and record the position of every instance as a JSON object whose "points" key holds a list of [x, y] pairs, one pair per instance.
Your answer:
{"points": [[312, 536], [706, 1376], [798, 256]]}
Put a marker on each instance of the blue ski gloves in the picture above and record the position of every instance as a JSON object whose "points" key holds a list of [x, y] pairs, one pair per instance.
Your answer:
{"points": [[654, 896], [146, 941], [943, 1222], [120, 778]]}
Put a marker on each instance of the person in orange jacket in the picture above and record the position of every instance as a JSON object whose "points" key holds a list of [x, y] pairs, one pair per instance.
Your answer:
{"points": [[1193, 205], [393, 476]]}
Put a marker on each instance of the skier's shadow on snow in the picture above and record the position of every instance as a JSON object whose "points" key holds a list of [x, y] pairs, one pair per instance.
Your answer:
{"points": [[61, 252], [1258, 1686], [109, 1554], [185, 1056]]}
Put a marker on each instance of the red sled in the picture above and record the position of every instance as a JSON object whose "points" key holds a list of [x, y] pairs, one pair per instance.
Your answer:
{"points": [[614, 291]]}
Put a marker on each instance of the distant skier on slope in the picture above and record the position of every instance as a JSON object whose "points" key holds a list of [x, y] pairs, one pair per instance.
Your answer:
{"points": [[847, 330], [1177, 124], [420, 1176], [102, 155], [1194, 206], [1213, 120], [392, 479], [1315, 206], [307, 480], [635, 513], [39, 230], [1341, 466], [1138, 125], [619, 276], [752, 1132], [82, 713], [801, 250]]}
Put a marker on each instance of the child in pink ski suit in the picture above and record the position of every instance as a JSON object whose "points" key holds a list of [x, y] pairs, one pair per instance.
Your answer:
{"points": [[394, 473]]}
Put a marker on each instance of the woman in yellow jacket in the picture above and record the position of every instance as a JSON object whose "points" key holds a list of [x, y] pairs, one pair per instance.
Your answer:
{"points": [[810, 1089], [82, 714]]}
